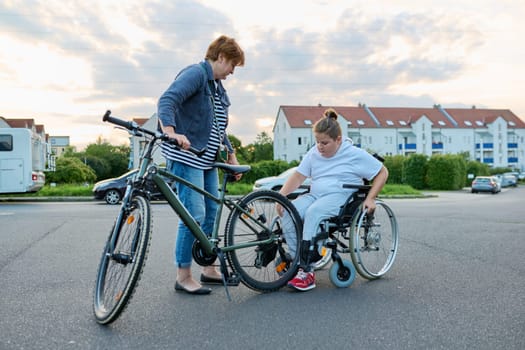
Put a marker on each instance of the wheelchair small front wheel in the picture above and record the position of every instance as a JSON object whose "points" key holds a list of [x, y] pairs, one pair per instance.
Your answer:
{"points": [[342, 275]]}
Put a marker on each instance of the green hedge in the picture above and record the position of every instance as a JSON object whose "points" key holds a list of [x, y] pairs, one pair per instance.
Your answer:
{"points": [[439, 172], [446, 172], [395, 166], [264, 169], [415, 171]]}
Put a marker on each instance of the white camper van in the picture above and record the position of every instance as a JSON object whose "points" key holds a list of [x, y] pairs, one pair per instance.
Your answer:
{"points": [[22, 161]]}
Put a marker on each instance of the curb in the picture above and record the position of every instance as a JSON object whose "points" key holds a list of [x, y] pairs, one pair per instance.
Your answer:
{"points": [[47, 199], [91, 199]]}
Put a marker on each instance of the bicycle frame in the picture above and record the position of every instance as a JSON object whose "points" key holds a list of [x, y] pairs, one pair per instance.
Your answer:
{"points": [[208, 244]]}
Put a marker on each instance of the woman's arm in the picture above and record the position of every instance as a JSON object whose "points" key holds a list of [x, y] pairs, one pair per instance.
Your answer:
{"points": [[377, 185], [294, 181]]}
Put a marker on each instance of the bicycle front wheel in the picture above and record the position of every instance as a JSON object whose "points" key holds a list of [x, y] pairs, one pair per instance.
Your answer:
{"points": [[122, 260], [269, 265], [374, 241]]}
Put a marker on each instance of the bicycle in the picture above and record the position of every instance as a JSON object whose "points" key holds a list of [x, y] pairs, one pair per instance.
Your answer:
{"points": [[255, 249], [373, 239]]}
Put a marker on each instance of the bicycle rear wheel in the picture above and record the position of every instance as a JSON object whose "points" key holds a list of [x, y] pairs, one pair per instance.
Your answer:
{"points": [[374, 241], [267, 266], [122, 260]]}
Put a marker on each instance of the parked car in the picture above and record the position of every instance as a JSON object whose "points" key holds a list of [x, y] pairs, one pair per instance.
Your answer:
{"points": [[112, 190], [275, 183], [485, 184], [508, 180]]}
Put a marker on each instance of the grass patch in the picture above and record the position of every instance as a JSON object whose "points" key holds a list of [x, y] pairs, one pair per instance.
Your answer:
{"points": [[64, 190], [402, 190], [239, 189], [234, 189]]}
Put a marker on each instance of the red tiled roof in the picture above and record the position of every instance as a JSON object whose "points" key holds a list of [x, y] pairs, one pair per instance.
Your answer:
{"points": [[140, 121], [396, 117], [296, 115], [476, 116], [392, 117]]}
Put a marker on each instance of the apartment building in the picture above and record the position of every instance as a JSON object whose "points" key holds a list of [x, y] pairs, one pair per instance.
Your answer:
{"points": [[492, 136]]}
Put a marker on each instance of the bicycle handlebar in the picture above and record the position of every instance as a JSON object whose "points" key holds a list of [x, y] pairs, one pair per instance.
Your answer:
{"points": [[132, 126], [119, 122]]}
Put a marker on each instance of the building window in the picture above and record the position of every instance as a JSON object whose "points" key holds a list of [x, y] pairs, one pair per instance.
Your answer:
{"points": [[299, 140]]}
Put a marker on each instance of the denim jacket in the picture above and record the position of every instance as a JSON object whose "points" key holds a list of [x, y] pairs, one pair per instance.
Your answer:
{"points": [[187, 104]]}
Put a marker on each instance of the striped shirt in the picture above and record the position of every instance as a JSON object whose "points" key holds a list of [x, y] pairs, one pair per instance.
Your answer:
{"points": [[217, 133]]}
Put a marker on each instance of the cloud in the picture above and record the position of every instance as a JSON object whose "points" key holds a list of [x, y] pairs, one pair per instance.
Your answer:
{"points": [[131, 51]]}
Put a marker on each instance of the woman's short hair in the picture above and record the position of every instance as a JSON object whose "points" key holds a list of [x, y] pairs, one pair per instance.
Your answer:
{"points": [[228, 47]]}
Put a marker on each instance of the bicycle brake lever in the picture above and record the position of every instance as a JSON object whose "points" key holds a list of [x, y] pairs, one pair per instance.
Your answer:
{"points": [[198, 152]]}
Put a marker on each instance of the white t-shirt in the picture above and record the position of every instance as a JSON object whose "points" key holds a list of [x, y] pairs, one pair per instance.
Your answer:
{"points": [[349, 165]]}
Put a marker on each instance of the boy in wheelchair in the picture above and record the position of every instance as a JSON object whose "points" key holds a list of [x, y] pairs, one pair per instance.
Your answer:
{"points": [[333, 162]]}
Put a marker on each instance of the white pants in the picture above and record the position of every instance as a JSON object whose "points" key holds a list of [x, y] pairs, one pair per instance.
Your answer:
{"points": [[313, 209]]}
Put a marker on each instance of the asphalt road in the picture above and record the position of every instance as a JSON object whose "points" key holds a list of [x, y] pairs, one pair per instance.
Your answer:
{"points": [[458, 283]]}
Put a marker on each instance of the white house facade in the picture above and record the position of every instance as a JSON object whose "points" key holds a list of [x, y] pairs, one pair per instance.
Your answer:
{"points": [[138, 143], [492, 136]]}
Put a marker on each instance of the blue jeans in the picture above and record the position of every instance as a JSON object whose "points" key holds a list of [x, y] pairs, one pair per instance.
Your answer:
{"points": [[202, 209]]}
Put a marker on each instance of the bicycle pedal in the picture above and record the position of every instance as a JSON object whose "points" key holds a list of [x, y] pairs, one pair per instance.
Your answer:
{"points": [[233, 280]]}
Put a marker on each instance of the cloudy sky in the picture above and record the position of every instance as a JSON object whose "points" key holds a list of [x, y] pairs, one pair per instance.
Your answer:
{"points": [[64, 63]]}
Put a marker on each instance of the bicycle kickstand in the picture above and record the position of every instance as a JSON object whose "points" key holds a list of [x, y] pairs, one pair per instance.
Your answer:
{"points": [[227, 278]]}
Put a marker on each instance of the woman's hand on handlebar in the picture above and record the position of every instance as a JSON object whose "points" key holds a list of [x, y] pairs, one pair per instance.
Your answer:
{"points": [[182, 140]]}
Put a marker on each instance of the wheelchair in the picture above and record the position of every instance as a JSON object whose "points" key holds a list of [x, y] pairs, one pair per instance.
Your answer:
{"points": [[370, 239]]}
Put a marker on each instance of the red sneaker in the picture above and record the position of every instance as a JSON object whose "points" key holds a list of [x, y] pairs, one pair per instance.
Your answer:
{"points": [[303, 281]]}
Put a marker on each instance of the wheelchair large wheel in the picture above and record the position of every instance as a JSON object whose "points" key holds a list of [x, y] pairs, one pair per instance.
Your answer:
{"points": [[374, 241]]}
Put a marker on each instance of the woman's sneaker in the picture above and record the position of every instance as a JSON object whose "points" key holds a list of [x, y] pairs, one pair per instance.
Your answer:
{"points": [[303, 281]]}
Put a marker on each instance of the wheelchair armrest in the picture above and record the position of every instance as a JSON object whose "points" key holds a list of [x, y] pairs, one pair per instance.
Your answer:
{"points": [[358, 187]]}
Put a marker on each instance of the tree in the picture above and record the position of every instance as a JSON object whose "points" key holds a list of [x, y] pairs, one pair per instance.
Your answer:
{"points": [[263, 147], [105, 159], [70, 170], [240, 151]]}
